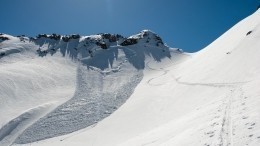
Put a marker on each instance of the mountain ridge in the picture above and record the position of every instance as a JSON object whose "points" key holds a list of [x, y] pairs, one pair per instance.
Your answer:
{"points": [[136, 93], [95, 62]]}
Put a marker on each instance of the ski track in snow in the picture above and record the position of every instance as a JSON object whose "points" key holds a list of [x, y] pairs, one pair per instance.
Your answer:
{"points": [[233, 101], [226, 133], [227, 129], [215, 102], [163, 70]]}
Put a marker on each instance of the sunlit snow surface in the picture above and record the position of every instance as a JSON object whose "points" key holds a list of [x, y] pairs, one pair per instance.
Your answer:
{"points": [[53, 87], [168, 98]]}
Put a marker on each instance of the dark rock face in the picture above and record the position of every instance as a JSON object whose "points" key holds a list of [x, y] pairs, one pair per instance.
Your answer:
{"points": [[129, 41], [20, 36], [75, 36], [55, 36], [159, 40], [69, 37], [65, 38], [2, 54], [111, 37], [103, 45], [143, 36], [42, 36], [105, 35], [3, 38], [90, 43]]}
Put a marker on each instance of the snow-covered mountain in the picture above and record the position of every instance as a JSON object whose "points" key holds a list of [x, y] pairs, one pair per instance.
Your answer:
{"points": [[108, 90]]}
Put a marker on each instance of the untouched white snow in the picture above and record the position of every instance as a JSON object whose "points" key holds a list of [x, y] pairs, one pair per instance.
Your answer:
{"points": [[208, 98]]}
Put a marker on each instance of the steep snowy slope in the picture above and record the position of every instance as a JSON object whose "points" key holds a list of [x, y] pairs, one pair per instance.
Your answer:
{"points": [[29, 84], [53, 85], [208, 98]]}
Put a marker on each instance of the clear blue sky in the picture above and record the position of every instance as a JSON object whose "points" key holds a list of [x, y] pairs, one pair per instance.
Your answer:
{"points": [[186, 24]]}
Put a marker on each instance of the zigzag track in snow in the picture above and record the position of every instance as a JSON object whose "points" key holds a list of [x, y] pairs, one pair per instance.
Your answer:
{"points": [[163, 69], [164, 72]]}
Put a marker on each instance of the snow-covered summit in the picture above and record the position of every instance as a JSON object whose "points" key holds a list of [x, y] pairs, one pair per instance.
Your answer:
{"points": [[76, 45], [108, 90], [69, 81], [145, 37]]}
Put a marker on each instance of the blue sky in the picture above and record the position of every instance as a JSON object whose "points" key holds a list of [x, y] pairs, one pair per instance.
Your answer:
{"points": [[186, 24]]}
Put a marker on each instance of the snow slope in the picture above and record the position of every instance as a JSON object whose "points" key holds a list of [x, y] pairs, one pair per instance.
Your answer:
{"points": [[30, 86], [54, 85], [207, 98]]}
